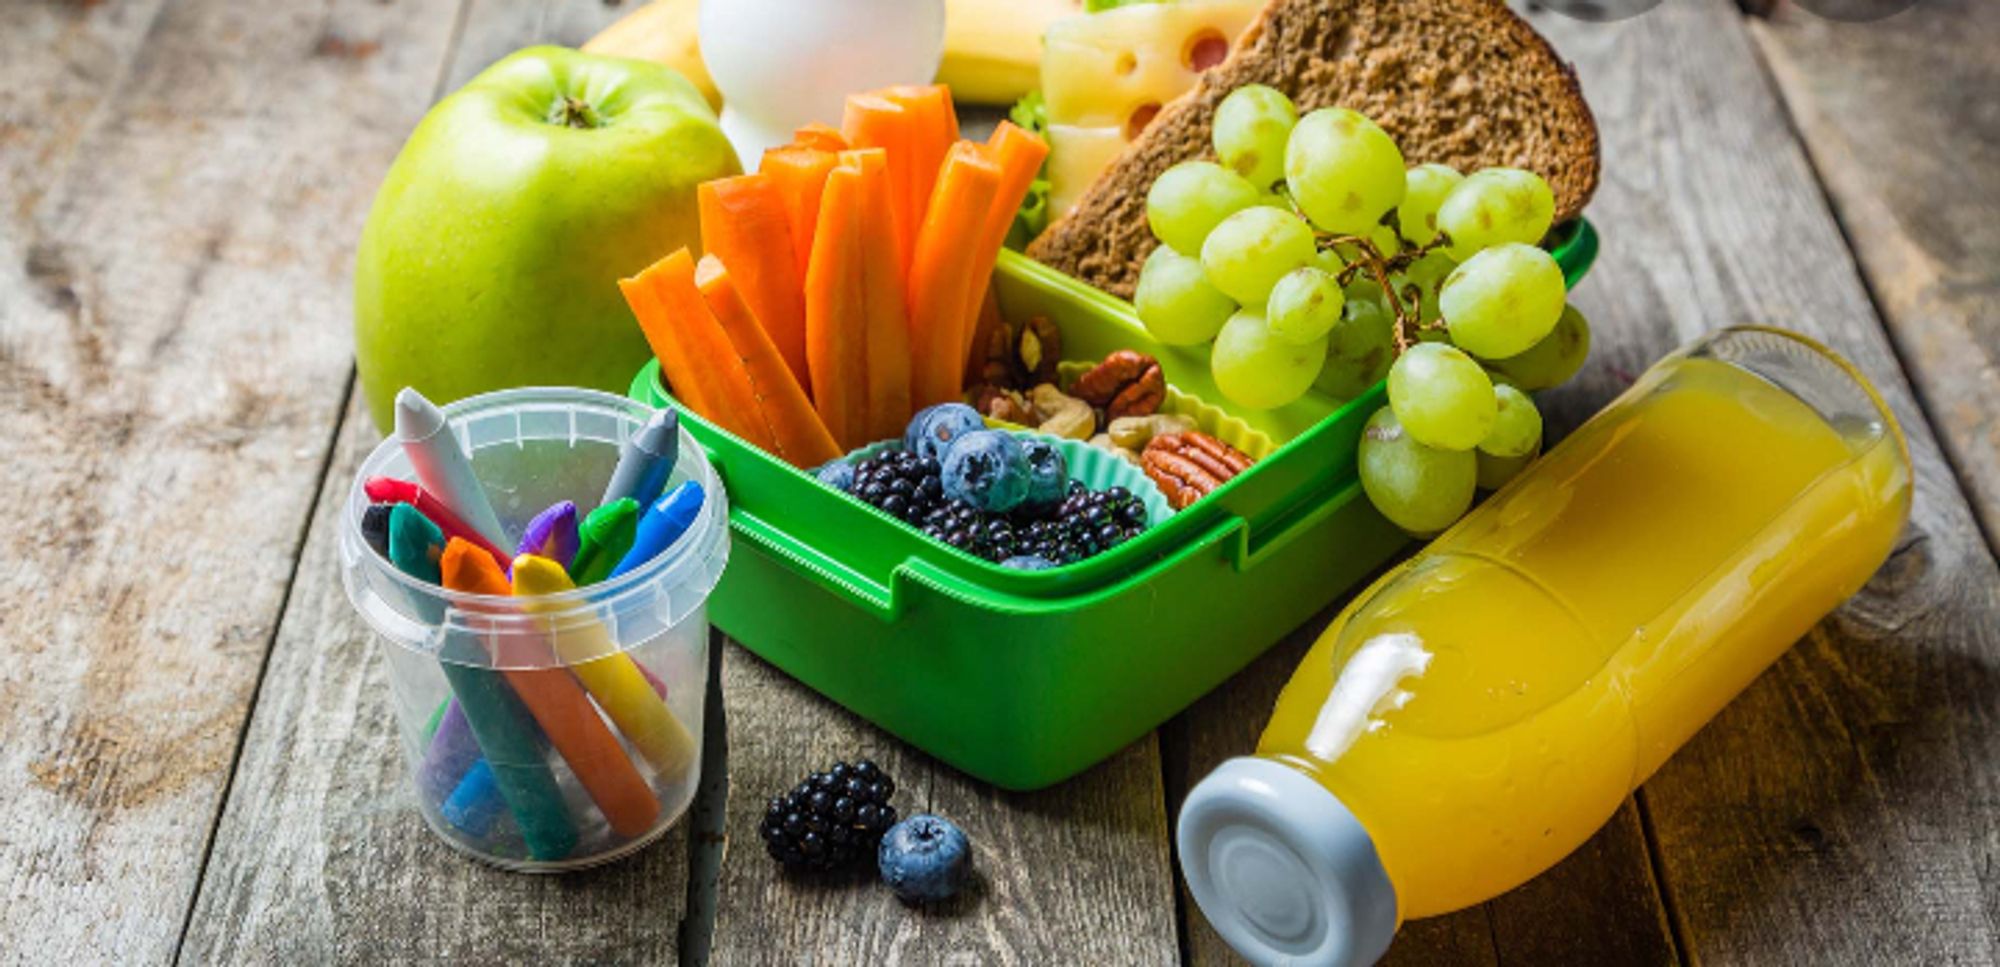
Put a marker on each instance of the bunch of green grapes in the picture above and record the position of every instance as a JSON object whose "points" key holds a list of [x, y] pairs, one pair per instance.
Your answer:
{"points": [[1309, 256]]}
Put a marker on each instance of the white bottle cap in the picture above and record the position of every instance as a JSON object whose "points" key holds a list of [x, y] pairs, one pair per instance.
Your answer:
{"points": [[1282, 869]]}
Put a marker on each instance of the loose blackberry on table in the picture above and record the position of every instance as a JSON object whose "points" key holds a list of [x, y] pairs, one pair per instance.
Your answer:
{"points": [[831, 819]]}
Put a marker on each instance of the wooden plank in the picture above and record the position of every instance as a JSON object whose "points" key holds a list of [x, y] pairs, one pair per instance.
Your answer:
{"points": [[60, 62], [1073, 874], [169, 367], [321, 857], [1840, 811], [1898, 118], [496, 28]]}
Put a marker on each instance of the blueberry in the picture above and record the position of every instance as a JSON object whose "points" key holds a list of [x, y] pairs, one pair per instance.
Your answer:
{"points": [[988, 470], [1028, 562], [935, 429], [924, 859], [838, 474], [1048, 472]]}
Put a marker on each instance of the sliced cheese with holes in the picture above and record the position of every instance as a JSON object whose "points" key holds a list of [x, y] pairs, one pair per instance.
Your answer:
{"points": [[1099, 69], [1076, 156], [1104, 76]]}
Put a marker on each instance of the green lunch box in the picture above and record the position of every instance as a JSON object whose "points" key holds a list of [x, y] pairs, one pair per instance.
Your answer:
{"points": [[1025, 678]]}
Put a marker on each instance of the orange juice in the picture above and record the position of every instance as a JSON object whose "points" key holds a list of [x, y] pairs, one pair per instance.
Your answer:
{"points": [[1480, 711]]}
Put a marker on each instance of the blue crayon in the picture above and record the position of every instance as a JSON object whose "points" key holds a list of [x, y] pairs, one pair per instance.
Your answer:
{"points": [[500, 723], [476, 803], [645, 461], [662, 524]]}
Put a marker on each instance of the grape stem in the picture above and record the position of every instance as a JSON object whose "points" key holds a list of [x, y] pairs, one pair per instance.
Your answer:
{"points": [[1409, 321]]}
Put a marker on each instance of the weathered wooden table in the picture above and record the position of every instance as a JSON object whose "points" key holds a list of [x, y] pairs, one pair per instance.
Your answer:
{"points": [[197, 760]]}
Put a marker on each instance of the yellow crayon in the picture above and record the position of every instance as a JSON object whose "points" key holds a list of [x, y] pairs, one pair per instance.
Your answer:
{"points": [[609, 674]]}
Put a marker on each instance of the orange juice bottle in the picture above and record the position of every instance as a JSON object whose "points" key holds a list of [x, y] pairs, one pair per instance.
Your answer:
{"points": [[1481, 710]]}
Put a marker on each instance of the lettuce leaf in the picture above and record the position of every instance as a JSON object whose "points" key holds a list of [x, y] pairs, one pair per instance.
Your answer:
{"points": [[1033, 116]]}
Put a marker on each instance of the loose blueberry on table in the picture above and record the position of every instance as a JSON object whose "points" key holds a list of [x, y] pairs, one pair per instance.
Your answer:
{"points": [[924, 859]]}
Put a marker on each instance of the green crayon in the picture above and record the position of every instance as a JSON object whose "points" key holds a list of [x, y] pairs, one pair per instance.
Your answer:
{"points": [[606, 535]]}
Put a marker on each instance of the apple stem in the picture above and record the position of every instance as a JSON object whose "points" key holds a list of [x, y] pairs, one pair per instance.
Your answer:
{"points": [[572, 112]]}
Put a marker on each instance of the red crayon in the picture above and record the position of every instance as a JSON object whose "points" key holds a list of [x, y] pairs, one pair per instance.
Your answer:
{"points": [[391, 490]]}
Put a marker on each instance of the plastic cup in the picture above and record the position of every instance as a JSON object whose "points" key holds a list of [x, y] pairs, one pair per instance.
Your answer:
{"points": [[534, 726]]}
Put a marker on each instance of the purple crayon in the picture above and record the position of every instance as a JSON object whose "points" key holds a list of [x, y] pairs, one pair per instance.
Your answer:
{"points": [[552, 534]]}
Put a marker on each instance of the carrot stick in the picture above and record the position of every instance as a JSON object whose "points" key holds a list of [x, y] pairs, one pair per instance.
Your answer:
{"points": [[800, 174], [873, 121], [945, 252], [820, 136], [932, 129], [693, 347], [555, 700], [677, 369], [1019, 155], [883, 292], [744, 223], [835, 312], [802, 439]]}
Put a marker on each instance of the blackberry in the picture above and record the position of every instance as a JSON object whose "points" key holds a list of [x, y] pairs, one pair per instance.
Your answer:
{"points": [[830, 819], [901, 483]]}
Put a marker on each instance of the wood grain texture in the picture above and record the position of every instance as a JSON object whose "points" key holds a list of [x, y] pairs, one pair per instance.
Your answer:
{"points": [[1897, 116], [62, 61], [1842, 809], [321, 856], [1073, 874], [172, 356], [496, 28]]}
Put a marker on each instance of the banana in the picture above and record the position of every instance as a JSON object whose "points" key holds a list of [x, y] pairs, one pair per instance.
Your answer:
{"points": [[992, 48], [664, 32]]}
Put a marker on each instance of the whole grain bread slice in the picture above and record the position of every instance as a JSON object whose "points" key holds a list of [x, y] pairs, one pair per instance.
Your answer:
{"points": [[1463, 82]]}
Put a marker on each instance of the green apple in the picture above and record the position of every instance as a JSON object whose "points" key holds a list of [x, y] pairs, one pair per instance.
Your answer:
{"points": [[493, 251]]}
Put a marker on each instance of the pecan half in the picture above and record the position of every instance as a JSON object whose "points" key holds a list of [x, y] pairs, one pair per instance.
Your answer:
{"points": [[1191, 465], [1126, 383]]}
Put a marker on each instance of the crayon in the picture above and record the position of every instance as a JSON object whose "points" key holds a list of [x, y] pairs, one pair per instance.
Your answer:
{"points": [[552, 534], [476, 803], [375, 527], [663, 523], [442, 467], [393, 491], [502, 729], [410, 541], [415, 547], [451, 753], [606, 535], [557, 703], [621, 686], [508, 736], [645, 461]]}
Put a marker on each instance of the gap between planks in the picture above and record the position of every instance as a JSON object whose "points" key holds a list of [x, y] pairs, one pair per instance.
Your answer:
{"points": [[263, 667], [337, 424]]}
